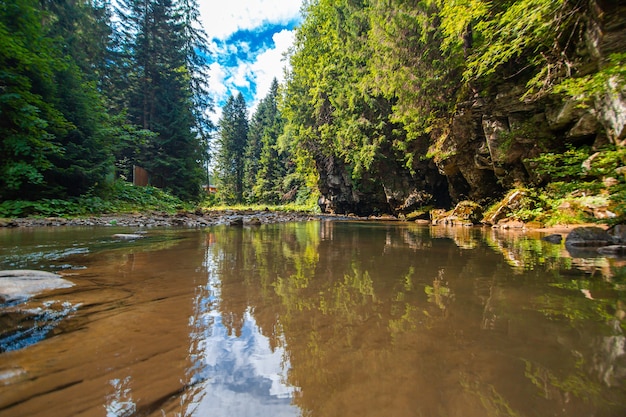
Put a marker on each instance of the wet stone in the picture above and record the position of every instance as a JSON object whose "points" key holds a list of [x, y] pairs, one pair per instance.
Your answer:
{"points": [[588, 236], [19, 285]]}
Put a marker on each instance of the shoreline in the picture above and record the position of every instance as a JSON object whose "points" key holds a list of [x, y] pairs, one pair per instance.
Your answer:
{"points": [[163, 219], [240, 217]]}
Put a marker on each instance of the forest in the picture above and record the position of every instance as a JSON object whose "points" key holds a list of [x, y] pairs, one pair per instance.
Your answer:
{"points": [[388, 107]]}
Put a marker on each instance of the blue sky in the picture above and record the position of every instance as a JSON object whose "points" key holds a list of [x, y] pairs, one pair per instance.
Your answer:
{"points": [[248, 39]]}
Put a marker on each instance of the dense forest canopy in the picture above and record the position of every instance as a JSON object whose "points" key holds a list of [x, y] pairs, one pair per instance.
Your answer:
{"points": [[402, 105], [87, 88], [389, 106]]}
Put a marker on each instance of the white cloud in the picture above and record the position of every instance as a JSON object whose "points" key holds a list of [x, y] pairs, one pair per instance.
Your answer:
{"points": [[217, 75], [241, 76], [271, 63], [224, 17]]}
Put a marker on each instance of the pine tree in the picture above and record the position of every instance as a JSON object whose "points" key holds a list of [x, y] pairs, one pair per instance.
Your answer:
{"points": [[165, 90], [265, 169], [232, 142]]}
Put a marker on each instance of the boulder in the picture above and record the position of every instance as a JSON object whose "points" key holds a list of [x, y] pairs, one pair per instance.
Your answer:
{"points": [[618, 232], [509, 204], [20, 285], [588, 236]]}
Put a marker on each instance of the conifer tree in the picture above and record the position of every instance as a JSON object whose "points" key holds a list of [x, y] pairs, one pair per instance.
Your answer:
{"points": [[232, 143], [157, 43], [265, 170]]}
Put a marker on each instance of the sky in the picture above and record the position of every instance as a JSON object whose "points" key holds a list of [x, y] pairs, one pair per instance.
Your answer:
{"points": [[247, 40]]}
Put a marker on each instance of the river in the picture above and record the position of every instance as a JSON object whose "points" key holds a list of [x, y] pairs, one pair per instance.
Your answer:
{"points": [[316, 319]]}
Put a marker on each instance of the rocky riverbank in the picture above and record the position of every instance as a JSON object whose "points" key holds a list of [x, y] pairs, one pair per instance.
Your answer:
{"points": [[180, 219]]}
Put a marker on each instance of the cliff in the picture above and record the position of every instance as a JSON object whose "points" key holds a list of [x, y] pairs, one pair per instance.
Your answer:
{"points": [[496, 132]]}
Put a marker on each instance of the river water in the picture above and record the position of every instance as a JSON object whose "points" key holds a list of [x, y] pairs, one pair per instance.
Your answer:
{"points": [[312, 319]]}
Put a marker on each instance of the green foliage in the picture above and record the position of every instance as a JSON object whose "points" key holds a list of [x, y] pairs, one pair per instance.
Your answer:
{"points": [[610, 80], [565, 166], [29, 122], [232, 143], [120, 197], [266, 166]]}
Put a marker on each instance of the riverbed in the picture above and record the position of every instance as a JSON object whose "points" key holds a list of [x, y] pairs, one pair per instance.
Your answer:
{"points": [[311, 318]]}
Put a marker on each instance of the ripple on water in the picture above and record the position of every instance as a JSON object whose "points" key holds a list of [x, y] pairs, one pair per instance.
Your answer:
{"points": [[22, 327]]}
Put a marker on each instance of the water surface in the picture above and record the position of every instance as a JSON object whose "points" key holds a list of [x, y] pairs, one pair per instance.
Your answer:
{"points": [[312, 319]]}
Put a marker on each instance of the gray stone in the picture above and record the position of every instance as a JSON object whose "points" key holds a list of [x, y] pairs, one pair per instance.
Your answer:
{"points": [[22, 284], [127, 236], [618, 232], [587, 125], [588, 236], [237, 221]]}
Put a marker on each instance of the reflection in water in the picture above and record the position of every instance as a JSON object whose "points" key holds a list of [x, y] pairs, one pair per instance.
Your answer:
{"points": [[21, 327], [325, 319], [120, 403], [409, 320], [234, 370]]}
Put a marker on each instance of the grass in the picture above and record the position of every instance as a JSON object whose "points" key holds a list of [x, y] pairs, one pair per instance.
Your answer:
{"points": [[290, 207], [123, 197]]}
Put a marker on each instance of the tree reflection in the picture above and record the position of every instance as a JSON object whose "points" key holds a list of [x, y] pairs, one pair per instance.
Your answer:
{"points": [[375, 317]]}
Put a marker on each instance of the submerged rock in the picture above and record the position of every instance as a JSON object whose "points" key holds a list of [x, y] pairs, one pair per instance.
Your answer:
{"points": [[553, 238], [21, 284], [127, 236]]}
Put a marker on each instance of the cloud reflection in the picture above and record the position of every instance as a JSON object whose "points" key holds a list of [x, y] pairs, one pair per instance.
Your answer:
{"points": [[235, 375]]}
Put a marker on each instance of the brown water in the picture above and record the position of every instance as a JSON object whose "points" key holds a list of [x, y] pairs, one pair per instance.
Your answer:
{"points": [[312, 319]]}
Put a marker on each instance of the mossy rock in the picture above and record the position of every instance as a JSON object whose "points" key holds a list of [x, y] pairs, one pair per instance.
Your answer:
{"points": [[468, 211]]}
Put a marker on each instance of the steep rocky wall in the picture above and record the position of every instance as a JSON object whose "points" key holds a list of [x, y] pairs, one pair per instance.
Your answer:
{"points": [[484, 151], [493, 135]]}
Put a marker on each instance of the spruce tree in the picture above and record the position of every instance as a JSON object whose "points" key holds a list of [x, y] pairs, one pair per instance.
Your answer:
{"points": [[266, 168], [232, 142], [165, 92]]}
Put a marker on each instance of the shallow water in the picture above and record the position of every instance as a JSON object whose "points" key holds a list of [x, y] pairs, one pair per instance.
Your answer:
{"points": [[313, 319]]}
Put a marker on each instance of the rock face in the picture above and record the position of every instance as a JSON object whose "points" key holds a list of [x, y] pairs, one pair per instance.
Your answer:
{"points": [[486, 148]]}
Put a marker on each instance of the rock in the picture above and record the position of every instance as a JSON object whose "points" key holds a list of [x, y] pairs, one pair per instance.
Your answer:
{"points": [[613, 250], [21, 284], [553, 238], [588, 236], [612, 110], [254, 221], [511, 224], [468, 210], [559, 116], [236, 221], [587, 125], [127, 236], [618, 232], [466, 213], [510, 203]]}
